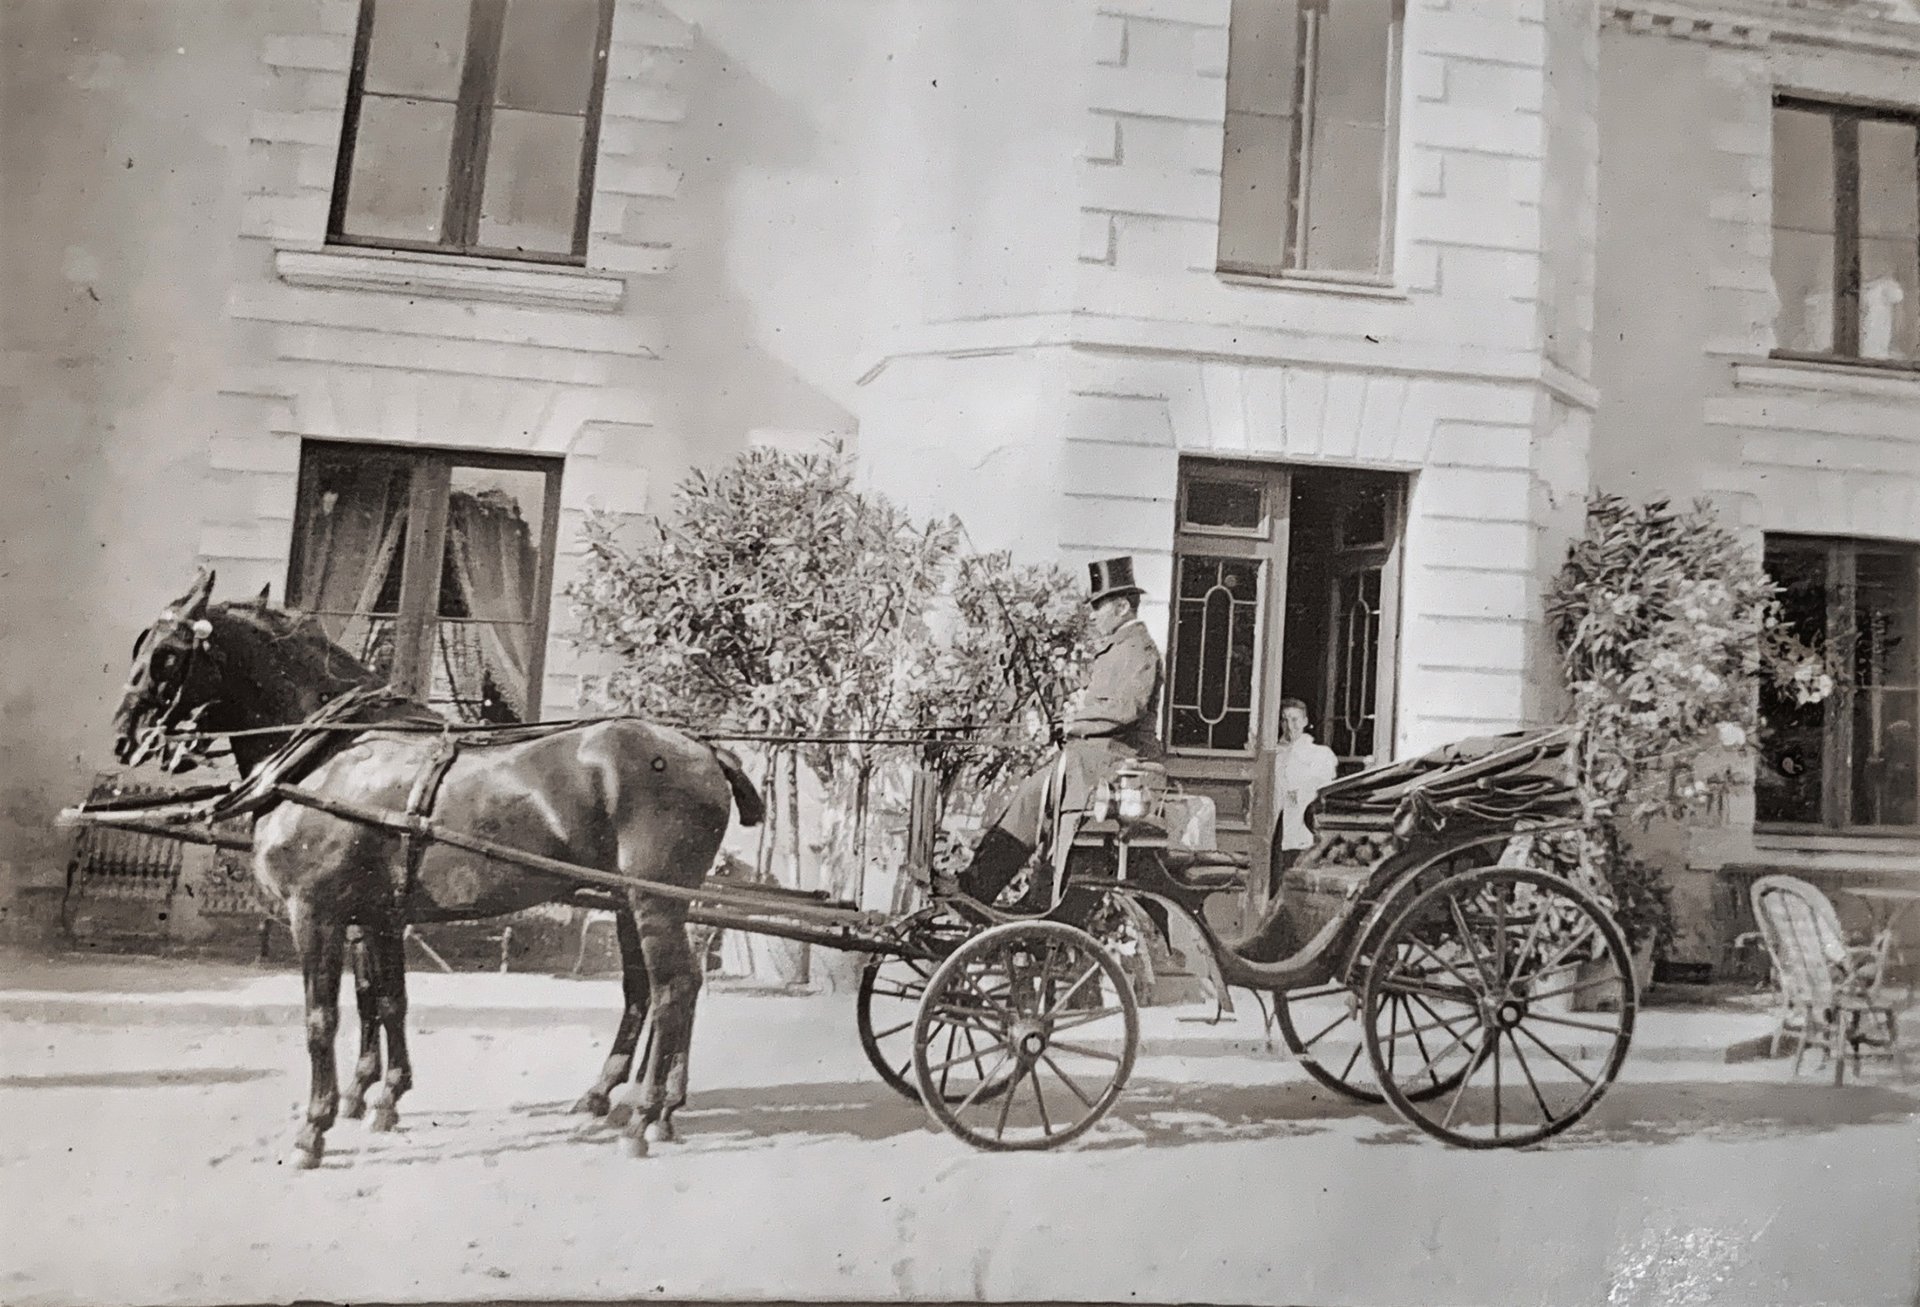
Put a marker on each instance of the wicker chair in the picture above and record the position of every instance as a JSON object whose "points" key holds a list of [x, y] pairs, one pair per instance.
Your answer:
{"points": [[1830, 992]]}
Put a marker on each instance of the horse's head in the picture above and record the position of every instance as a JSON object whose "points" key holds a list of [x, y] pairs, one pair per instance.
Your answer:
{"points": [[172, 682]]}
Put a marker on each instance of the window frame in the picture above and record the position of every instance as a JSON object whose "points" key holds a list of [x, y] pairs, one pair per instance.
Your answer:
{"points": [[1846, 223], [1300, 159], [1836, 728], [416, 621], [472, 135]]}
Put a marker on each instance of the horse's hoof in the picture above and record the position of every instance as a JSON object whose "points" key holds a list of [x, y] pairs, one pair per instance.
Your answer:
{"points": [[619, 1115], [593, 1103], [636, 1145], [303, 1159], [385, 1119], [661, 1132]]}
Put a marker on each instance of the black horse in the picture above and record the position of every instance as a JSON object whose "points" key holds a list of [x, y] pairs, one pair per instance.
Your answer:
{"points": [[618, 795]]}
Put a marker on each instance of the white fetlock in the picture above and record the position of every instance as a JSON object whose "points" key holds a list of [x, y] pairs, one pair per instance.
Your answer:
{"points": [[660, 1132]]}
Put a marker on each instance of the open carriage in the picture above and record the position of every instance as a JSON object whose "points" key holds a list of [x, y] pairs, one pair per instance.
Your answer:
{"points": [[1440, 948], [1443, 925]]}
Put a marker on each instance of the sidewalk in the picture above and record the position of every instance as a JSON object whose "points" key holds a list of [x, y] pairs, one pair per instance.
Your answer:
{"points": [[123, 990]]}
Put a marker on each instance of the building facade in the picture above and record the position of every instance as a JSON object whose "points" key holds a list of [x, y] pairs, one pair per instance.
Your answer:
{"points": [[1331, 315]]}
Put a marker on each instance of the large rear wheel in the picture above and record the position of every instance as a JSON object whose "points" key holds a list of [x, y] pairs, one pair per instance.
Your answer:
{"points": [[1047, 1030], [1521, 993]]}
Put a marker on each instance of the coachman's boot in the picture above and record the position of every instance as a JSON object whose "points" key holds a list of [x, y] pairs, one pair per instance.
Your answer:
{"points": [[995, 863]]}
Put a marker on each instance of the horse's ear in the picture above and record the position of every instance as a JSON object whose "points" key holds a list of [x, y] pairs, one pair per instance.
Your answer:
{"points": [[265, 590], [194, 603]]}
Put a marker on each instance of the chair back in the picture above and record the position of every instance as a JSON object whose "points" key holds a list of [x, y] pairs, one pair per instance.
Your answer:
{"points": [[1803, 936]]}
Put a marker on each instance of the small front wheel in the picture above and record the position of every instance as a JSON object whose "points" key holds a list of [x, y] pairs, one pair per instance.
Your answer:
{"points": [[1026, 1037]]}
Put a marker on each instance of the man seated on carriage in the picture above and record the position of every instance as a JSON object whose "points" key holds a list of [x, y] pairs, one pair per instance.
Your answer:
{"points": [[1114, 721]]}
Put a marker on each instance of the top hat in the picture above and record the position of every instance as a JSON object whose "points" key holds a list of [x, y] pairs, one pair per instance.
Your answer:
{"points": [[1110, 577]]}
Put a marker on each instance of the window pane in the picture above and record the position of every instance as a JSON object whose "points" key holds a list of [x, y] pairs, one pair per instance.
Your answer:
{"points": [[1889, 294], [349, 526], [1886, 673], [1803, 230], [488, 588], [1344, 186], [1216, 624], [1261, 41], [1884, 758], [533, 182], [1803, 283], [1344, 195], [548, 52], [1255, 213], [399, 183], [1791, 773], [417, 48], [1802, 170], [1237, 505], [1889, 189]]}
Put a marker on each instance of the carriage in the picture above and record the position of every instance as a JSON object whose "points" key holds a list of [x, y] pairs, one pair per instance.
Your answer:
{"points": [[1440, 948]]}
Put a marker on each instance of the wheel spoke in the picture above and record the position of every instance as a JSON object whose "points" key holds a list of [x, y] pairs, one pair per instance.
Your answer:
{"points": [[1084, 1018], [986, 1082], [898, 992], [1479, 1056], [1040, 1101], [1070, 1082], [1466, 942], [891, 1031], [1424, 948], [1555, 1055], [1546, 1113], [953, 1037], [1067, 997], [971, 1056], [1085, 1050], [1336, 1023], [1006, 1106], [1577, 1025]]}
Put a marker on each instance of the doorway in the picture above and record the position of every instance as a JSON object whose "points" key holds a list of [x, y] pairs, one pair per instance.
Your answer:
{"points": [[1286, 584]]}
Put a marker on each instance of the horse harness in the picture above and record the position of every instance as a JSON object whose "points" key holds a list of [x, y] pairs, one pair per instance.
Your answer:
{"points": [[417, 834]]}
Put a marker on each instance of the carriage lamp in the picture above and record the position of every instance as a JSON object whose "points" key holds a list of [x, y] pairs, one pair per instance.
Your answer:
{"points": [[1131, 795], [1100, 806]]}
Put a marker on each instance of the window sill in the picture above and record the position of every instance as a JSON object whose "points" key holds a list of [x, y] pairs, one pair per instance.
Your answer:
{"points": [[1356, 287], [1828, 378], [449, 277], [1810, 850]]}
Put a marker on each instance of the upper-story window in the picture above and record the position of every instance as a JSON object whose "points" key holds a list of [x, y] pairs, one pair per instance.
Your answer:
{"points": [[470, 127], [1846, 232], [1312, 97]]}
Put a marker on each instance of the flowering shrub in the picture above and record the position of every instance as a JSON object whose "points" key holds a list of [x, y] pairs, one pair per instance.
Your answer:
{"points": [[778, 598], [1667, 627]]}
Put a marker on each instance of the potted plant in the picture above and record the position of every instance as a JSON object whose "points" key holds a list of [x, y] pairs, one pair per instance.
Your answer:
{"points": [[1667, 627]]}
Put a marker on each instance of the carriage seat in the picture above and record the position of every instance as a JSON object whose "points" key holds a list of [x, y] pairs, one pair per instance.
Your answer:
{"points": [[1207, 870]]}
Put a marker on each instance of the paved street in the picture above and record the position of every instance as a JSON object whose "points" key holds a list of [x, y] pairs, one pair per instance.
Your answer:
{"points": [[144, 1107]]}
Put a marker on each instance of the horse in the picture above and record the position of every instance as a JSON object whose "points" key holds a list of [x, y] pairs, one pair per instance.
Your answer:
{"points": [[614, 794]]}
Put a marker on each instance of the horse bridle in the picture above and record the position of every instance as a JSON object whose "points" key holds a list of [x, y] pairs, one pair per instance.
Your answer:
{"points": [[173, 731]]}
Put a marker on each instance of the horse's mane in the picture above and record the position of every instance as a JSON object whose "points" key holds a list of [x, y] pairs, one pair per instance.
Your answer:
{"points": [[295, 642]]}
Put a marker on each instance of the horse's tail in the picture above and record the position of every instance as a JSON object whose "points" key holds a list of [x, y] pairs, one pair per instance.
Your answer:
{"points": [[753, 809]]}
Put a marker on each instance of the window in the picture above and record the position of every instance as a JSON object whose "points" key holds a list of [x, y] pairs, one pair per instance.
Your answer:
{"points": [[1307, 177], [1850, 761], [1846, 232], [433, 568], [470, 127]]}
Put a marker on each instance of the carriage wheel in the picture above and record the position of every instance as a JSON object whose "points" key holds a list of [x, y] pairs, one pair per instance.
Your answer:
{"points": [[1494, 963], [1038, 1063], [888, 1000], [1328, 1039]]}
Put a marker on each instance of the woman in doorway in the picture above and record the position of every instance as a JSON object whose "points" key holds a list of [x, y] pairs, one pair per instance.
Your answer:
{"points": [[1302, 767]]}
